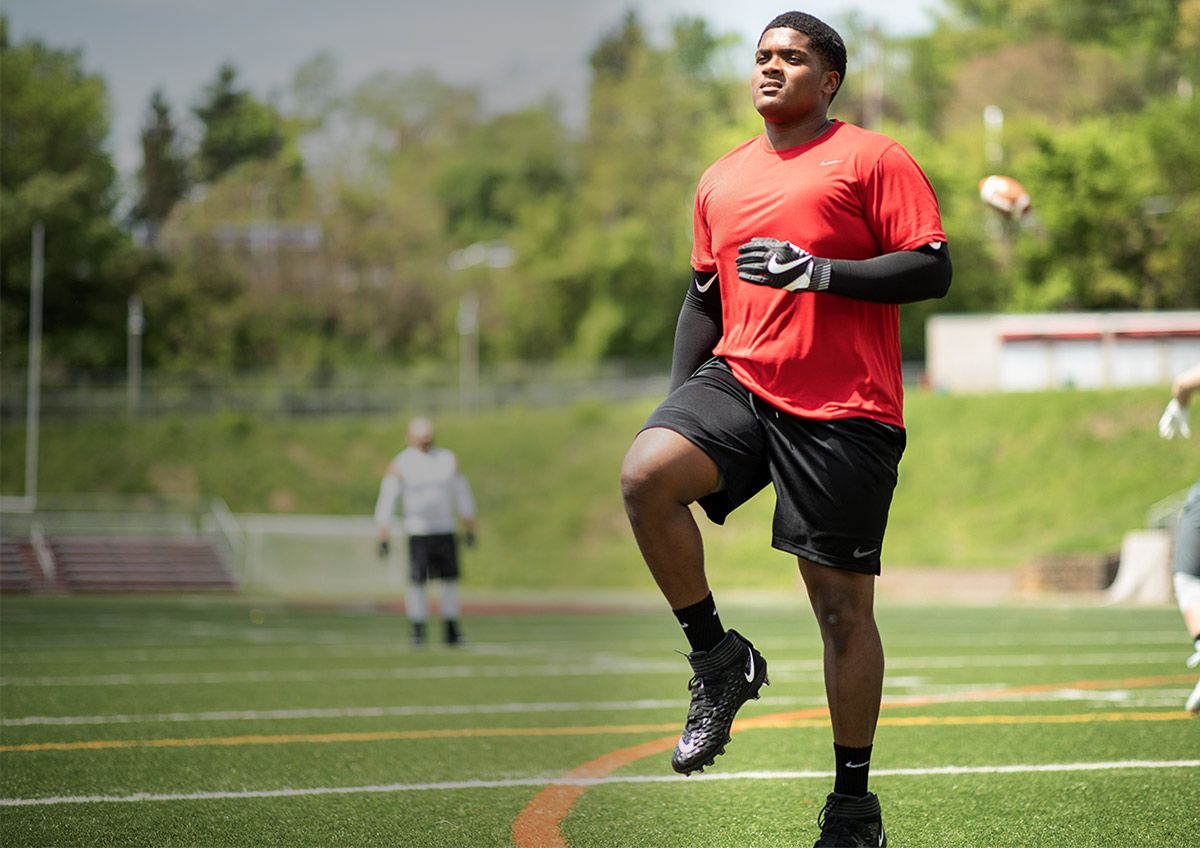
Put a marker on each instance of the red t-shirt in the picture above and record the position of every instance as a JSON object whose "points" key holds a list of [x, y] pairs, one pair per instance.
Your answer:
{"points": [[849, 194]]}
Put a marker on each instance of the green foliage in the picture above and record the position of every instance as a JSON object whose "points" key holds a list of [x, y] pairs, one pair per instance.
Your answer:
{"points": [[641, 159], [163, 177], [1146, 24], [401, 170], [500, 168], [236, 127], [1116, 211], [54, 170]]}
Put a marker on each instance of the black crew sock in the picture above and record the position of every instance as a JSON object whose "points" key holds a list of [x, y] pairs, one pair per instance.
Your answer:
{"points": [[701, 624], [853, 770]]}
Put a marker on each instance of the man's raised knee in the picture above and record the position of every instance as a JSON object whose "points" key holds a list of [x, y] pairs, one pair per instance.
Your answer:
{"points": [[662, 466], [638, 478]]}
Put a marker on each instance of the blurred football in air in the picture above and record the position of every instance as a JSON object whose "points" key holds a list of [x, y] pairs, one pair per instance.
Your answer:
{"points": [[1005, 195]]}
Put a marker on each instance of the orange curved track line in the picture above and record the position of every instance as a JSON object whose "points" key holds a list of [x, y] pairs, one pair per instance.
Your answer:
{"points": [[538, 825]]}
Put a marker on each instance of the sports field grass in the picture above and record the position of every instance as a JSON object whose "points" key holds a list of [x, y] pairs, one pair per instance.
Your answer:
{"points": [[214, 721]]}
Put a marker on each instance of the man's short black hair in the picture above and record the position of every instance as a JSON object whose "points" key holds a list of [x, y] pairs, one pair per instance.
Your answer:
{"points": [[821, 37]]}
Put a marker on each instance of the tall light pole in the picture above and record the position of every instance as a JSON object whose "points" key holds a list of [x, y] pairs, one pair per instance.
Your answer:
{"points": [[874, 79], [468, 350], [33, 388], [993, 152], [492, 254], [135, 326], [993, 131]]}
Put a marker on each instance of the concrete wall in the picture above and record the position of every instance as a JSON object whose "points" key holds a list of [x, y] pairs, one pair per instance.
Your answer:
{"points": [[1091, 350]]}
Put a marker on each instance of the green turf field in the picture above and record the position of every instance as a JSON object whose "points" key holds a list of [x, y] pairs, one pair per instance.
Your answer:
{"points": [[213, 721]]}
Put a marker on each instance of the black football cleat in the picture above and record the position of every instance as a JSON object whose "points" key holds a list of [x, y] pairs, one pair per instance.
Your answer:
{"points": [[849, 822], [724, 679]]}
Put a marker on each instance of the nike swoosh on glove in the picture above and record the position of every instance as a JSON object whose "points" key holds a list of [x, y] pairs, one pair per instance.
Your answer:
{"points": [[781, 265]]}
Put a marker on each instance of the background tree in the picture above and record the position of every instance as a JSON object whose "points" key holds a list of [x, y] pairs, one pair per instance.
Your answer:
{"points": [[341, 260], [235, 127], [1115, 226], [54, 169], [163, 176]]}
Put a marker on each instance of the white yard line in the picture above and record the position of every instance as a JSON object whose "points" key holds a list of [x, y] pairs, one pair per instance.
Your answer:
{"points": [[1166, 697], [447, 786], [300, 645], [598, 665], [332, 674]]}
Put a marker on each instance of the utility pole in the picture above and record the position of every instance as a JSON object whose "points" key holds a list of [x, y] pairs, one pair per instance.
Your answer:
{"points": [[135, 325], [33, 388], [492, 254], [873, 84], [993, 130], [468, 350]]}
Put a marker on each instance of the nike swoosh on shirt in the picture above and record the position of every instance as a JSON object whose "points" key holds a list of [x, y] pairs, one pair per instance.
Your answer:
{"points": [[774, 266], [827, 162], [703, 288]]}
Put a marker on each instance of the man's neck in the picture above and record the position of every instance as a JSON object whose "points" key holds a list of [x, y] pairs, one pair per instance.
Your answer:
{"points": [[783, 136]]}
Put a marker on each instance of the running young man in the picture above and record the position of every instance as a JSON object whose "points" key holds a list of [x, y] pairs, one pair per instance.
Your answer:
{"points": [[786, 370], [434, 495]]}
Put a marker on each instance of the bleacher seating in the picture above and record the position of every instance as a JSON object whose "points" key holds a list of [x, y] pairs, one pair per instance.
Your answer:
{"points": [[117, 564], [15, 574]]}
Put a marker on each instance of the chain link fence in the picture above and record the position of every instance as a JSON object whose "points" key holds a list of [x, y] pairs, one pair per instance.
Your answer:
{"points": [[352, 391]]}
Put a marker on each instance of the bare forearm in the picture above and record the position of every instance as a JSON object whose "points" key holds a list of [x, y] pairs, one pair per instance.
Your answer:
{"points": [[1186, 384]]}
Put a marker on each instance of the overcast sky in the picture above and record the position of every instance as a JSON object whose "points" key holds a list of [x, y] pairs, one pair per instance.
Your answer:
{"points": [[515, 51]]}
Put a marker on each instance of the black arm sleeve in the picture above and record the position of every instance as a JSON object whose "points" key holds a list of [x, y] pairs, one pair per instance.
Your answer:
{"points": [[905, 276], [699, 327]]}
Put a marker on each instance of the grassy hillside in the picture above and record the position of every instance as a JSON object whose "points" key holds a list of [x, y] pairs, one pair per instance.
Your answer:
{"points": [[986, 480]]}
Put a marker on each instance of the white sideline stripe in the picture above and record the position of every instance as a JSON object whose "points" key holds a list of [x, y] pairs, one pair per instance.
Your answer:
{"points": [[1124, 697], [1033, 660], [285, 651], [609, 666], [592, 781], [326, 675], [303, 648]]}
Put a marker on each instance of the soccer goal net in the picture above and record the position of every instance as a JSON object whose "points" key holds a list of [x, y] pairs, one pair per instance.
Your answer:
{"points": [[318, 556]]}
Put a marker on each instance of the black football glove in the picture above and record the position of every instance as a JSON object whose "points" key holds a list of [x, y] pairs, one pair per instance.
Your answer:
{"points": [[469, 538], [384, 548], [781, 265]]}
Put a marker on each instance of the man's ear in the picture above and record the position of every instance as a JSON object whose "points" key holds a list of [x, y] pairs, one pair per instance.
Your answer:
{"points": [[832, 80]]}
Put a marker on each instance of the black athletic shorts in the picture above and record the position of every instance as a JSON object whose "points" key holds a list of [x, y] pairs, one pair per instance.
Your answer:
{"points": [[433, 557], [833, 479]]}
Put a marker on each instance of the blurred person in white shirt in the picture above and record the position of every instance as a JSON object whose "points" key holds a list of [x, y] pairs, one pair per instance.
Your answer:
{"points": [[434, 497]]}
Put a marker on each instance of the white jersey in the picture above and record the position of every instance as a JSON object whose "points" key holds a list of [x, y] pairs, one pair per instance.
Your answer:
{"points": [[433, 493]]}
